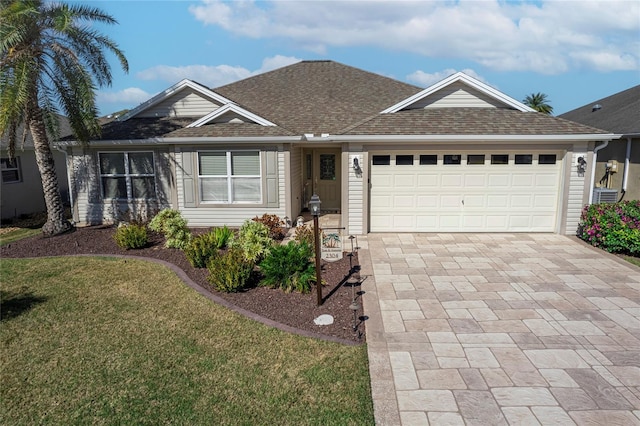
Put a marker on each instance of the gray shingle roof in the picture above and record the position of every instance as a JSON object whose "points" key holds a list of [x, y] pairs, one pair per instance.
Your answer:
{"points": [[620, 113], [230, 130], [469, 121], [143, 128], [317, 96]]}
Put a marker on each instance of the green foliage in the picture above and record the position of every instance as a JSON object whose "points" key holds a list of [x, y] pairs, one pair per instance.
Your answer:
{"points": [[254, 241], [222, 236], [275, 225], [132, 236], [289, 267], [173, 226], [304, 234], [612, 227], [200, 249], [229, 271]]}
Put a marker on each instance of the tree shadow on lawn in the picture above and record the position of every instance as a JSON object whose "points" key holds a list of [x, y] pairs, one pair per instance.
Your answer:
{"points": [[13, 305]]}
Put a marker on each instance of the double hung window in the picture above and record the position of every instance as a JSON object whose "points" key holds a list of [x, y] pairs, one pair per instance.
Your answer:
{"points": [[10, 170], [127, 175], [230, 177]]}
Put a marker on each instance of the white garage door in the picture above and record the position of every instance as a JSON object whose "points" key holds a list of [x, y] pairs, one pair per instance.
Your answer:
{"points": [[464, 191]]}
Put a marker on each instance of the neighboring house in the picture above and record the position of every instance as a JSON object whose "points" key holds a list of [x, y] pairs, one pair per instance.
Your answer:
{"points": [[459, 156], [617, 172], [21, 190]]}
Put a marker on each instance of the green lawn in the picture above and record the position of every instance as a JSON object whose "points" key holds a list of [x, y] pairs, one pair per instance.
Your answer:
{"points": [[113, 341], [17, 234]]}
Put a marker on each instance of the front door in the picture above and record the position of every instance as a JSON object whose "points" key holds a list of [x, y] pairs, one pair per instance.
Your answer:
{"points": [[325, 175]]}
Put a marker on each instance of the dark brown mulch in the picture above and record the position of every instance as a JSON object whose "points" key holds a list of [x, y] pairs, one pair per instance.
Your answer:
{"points": [[290, 309]]}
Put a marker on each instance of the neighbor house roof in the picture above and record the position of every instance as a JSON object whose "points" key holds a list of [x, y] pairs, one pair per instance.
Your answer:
{"points": [[64, 131], [618, 113]]}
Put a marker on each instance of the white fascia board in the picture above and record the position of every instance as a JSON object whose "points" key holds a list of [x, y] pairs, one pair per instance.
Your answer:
{"points": [[171, 91], [231, 108], [470, 81], [185, 140], [471, 138]]}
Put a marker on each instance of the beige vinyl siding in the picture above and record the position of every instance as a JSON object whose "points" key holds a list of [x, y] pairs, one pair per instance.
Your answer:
{"points": [[356, 195], [91, 209], [296, 182], [576, 193], [185, 103], [457, 95], [232, 216]]}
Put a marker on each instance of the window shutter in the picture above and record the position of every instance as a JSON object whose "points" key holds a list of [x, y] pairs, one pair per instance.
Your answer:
{"points": [[188, 179], [271, 177]]}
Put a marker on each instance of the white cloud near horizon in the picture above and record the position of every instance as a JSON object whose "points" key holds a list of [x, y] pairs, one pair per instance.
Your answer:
{"points": [[212, 75], [130, 95], [548, 37], [424, 79]]}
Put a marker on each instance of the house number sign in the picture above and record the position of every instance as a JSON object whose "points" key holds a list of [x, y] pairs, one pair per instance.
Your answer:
{"points": [[331, 248]]}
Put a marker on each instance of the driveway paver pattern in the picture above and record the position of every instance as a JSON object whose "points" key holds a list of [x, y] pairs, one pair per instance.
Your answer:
{"points": [[498, 329]]}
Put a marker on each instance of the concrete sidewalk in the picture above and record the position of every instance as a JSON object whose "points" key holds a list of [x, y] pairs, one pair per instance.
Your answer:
{"points": [[488, 329]]}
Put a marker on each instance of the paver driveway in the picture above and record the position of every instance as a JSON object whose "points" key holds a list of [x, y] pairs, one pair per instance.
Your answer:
{"points": [[490, 329]]}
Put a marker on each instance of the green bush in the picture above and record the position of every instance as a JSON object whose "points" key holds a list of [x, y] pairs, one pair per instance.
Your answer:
{"points": [[254, 241], [131, 236], [289, 267], [222, 236], [304, 234], [612, 227], [173, 226], [229, 271], [275, 225], [200, 249]]}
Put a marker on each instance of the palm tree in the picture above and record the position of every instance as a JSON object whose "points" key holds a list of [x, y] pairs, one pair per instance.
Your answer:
{"points": [[539, 102], [51, 61]]}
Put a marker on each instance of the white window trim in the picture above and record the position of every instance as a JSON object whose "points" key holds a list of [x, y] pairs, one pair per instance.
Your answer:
{"points": [[16, 167], [127, 175], [229, 176]]}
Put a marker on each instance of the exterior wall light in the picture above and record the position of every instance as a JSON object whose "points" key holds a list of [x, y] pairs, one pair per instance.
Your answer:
{"points": [[582, 166]]}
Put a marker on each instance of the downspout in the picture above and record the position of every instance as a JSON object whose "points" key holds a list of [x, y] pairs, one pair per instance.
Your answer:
{"points": [[66, 165], [625, 177], [593, 169]]}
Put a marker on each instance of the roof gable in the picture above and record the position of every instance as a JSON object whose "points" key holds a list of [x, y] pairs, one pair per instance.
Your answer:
{"points": [[456, 91], [230, 113], [184, 99]]}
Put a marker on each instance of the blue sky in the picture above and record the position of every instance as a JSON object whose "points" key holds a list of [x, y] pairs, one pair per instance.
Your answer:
{"points": [[574, 51]]}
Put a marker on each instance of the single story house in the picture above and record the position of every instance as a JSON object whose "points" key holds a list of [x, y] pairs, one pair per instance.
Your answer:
{"points": [[459, 156], [21, 186], [616, 175]]}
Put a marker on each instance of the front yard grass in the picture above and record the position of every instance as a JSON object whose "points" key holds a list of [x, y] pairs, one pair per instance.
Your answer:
{"points": [[9, 235], [114, 341]]}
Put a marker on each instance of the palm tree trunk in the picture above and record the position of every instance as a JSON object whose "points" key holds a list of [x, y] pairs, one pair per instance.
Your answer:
{"points": [[56, 222]]}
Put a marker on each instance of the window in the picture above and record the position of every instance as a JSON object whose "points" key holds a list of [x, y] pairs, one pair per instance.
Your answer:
{"points": [[452, 159], [381, 160], [547, 159], [428, 160], [127, 175], [10, 170], [475, 159], [499, 159], [524, 158], [230, 177], [404, 160]]}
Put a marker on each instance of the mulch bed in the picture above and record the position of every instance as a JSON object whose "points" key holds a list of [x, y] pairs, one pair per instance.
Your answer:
{"points": [[293, 310]]}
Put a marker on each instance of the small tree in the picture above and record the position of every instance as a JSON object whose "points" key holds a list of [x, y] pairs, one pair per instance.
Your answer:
{"points": [[539, 102]]}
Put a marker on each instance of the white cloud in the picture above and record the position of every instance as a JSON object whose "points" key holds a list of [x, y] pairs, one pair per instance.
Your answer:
{"points": [[131, 95], [424, 79], [546, 37], [212, 75]]}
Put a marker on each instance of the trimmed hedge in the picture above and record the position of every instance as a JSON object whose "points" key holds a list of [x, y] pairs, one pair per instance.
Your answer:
{"points": [[612, 227]]}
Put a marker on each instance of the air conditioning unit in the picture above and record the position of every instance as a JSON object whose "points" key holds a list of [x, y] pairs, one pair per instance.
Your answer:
{"points": [[605, 195]]}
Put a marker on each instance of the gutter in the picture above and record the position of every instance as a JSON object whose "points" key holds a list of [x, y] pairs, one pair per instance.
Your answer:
{"points": [[625, 177], [593, 169], [466, 138]]}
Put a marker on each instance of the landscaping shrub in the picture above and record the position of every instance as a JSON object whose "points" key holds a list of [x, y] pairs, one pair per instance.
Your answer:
{"points": [[289, 267], [200, 249], [275, 225], [222, 236], [612, 227], [173, 226], [229, 271], [304, 234], [131, 236], [254, 241]]}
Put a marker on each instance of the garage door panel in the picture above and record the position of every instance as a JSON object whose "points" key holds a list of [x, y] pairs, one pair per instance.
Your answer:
{"points": [[464, 197]]}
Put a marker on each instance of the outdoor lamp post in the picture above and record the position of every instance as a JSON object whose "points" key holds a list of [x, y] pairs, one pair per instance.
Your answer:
{"points": [[314, 206]]}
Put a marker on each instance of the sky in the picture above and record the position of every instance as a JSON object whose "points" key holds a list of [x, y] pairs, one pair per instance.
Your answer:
{"points": [[575, 52]]}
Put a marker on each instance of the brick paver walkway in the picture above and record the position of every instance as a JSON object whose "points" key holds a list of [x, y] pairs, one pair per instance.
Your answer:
{"points": [[500, 329]]}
